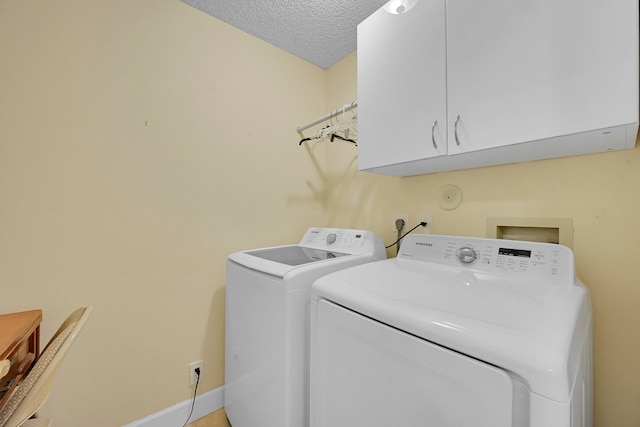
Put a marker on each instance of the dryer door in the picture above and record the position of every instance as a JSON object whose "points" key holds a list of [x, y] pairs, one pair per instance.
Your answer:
{"points": [[365, 373]]}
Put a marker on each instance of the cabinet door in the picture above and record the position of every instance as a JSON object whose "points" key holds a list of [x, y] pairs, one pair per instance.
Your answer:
{"points": [[522, 70], [402, 83]]}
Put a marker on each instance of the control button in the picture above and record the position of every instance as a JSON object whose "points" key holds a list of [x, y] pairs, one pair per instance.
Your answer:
{"points": [[467, 255], [331, 238]]}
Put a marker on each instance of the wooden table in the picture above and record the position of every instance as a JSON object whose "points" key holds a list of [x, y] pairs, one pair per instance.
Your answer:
{"points": [[19, 347]]}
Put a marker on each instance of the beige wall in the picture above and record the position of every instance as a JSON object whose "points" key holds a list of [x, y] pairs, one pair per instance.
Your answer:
{"points": [[600, 192], [142, 142]]}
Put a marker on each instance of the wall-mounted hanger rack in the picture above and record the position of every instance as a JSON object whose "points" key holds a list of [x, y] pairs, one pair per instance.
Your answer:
{"points": [[329, 116], [343, 130]]}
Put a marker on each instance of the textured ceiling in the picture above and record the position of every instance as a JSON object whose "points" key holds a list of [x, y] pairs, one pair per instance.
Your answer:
{"points": [[319, 31]]}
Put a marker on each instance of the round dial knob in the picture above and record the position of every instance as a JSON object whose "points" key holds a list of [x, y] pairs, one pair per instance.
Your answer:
{"points": [[467, 255], [331, 238]]}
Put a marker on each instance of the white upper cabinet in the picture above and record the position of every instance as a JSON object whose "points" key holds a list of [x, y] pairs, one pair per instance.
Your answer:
{"points": [[503, 81], [402, 84]]}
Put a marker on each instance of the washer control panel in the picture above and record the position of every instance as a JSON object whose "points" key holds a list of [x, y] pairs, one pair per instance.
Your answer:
{"points": [[342, 240], [491, 255]]}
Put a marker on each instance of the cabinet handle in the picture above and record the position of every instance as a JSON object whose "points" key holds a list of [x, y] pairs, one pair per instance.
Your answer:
{"points": [[455, 129], [433, 138]]}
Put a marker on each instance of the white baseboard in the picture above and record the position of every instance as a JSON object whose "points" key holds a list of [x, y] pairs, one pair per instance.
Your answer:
{"points": [[177, 414]]}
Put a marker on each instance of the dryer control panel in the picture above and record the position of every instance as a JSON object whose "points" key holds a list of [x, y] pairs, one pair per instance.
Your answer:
{"points": [[491, 255]]}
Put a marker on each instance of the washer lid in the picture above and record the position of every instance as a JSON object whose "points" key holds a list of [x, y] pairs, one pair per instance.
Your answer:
{"points": [[319, 248], [295, 255], [529, 324], [283, 261]]}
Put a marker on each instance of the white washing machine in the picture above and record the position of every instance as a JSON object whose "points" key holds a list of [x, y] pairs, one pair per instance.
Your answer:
{"points": [[454, 332], [267, 322]]}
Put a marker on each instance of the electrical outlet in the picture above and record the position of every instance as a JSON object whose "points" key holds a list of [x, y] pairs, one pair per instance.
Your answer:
{"points": [[193, 377], [428, 218], [404, 217]]}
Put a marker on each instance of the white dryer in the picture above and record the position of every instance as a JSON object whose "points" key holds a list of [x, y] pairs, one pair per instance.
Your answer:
{"points": [[267, 322], [454, 332]]}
